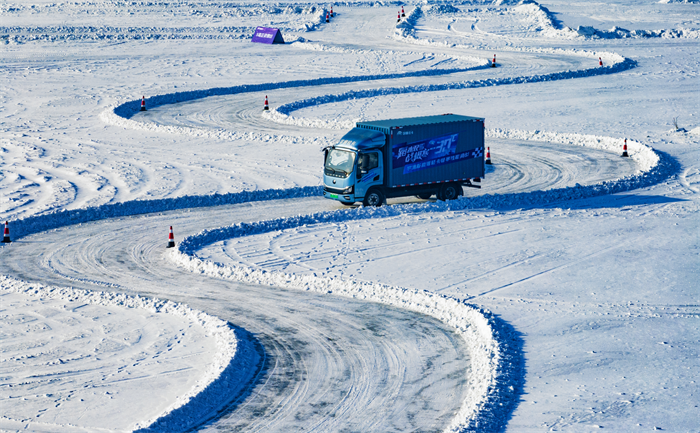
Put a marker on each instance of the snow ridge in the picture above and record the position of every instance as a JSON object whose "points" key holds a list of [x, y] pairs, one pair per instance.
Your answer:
{"points": [[62, 218], [282, 113], [218, 379], [493, 346], [120, 115], [494, 370]]}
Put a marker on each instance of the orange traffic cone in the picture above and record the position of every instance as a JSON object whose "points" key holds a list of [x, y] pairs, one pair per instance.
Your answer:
{"points": [[399, 18], [332, 14], [488, 156], [171, 239], [6, 235], [328, 17], [624, 149], [600, 61], [493, 64], [402, 12], [143, 103], [266, 107]]}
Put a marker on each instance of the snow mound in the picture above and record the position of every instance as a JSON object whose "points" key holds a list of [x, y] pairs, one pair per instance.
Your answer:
{"points": [[543, 21], [406, 28], [510, 2], [440, 9], [186, 410], [695, 131], [620, 33], [679, 1]]}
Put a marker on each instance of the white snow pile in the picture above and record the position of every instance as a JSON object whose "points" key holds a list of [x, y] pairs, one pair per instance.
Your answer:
{"points": [[282, 113], [620, 33], [62, 218], [492, 346], [440, 9], [406, 28], [511, 2], [210, 390], [544, 22]]}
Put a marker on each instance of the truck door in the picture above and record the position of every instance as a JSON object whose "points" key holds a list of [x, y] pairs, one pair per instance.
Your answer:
{"points": [[370, 172]]}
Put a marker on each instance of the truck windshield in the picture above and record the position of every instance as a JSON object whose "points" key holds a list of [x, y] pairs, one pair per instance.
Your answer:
{"points": [[340, 162]]}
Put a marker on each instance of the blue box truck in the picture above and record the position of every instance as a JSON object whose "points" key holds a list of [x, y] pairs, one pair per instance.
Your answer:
{"points": [[418, 156]]}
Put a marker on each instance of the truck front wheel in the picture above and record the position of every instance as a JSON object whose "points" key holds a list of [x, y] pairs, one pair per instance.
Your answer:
{"points": [[374, 197], [449, 191]]}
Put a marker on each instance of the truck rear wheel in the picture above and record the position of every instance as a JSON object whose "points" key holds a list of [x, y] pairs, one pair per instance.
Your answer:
{"points": [[374, 197], [449, 191]]}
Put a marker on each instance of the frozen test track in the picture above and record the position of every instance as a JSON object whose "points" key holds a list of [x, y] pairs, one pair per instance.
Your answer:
{"points": [[71, 276], [331, 362]]}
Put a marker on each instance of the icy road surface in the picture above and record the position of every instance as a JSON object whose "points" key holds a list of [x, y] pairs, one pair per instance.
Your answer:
{"points": [[603, 291], [330, 362]]}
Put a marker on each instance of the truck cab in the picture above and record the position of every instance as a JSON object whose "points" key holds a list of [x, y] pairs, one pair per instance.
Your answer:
{"points": [[353, 166], [420, 156]]}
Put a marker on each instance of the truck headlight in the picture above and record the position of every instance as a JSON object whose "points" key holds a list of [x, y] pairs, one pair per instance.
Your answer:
{"points": [[349, 190]]}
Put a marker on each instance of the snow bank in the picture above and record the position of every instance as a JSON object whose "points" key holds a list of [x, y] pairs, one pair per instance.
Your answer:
{"points": [[548, 25], [281, 114], [406, 28], [491, 345], [211, 388], [620, 33], [62, 218], [544, 21], [493, 354], [120, 114]]}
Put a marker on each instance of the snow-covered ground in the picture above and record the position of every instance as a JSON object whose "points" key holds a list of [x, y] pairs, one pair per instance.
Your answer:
{"points": [[592, 280]]}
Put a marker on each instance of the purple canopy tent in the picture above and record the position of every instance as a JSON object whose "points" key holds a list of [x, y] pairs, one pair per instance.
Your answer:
{"points": [[266, 35]]}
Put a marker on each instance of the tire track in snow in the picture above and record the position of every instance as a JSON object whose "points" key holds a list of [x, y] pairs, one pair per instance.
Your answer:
{"points": [[334, 362]]}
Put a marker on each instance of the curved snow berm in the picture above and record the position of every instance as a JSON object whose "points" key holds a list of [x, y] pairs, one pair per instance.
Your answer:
{"points": [[494, 348], [120, 115], [62, 218], [282, 113], [222, 375]]}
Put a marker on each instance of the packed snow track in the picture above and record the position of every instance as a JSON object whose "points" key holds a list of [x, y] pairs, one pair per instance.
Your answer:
{"points": [[330, 363]]}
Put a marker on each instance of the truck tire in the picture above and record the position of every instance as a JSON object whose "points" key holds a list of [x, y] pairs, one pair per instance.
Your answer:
{"points": [[425, 195], [374, 197], [449, 191]]}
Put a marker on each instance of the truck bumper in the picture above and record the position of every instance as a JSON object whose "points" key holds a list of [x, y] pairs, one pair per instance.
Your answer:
{"points": [[347, 198]]}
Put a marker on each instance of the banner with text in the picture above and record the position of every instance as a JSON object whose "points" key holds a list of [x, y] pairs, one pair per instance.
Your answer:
{"points": [[267, 35], [429, 153]]}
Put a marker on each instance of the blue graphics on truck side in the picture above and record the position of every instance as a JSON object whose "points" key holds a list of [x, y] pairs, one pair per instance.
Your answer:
{"points": [[432, 152], [370, 175]]}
